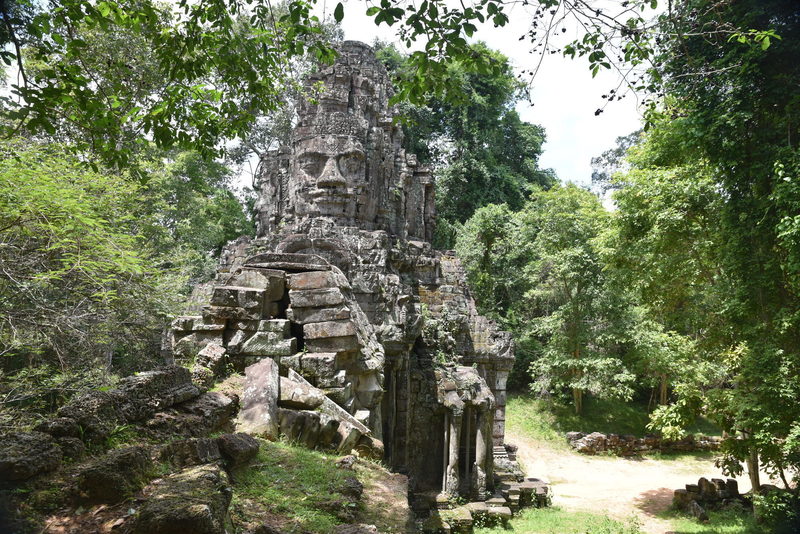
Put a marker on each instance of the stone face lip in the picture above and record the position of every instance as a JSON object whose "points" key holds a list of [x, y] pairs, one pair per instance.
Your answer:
{"points": [[26, 454], [115, 476], [259, 414], [193, 501], [302, 396]]}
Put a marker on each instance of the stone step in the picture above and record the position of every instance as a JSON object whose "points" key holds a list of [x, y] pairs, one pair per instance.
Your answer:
{"points": [[503, 513]]}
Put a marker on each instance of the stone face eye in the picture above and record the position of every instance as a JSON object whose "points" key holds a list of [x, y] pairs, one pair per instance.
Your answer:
{"points": [[312, 164], [351, 165]]}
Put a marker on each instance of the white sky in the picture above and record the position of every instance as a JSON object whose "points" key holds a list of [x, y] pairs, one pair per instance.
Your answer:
{"points": [[564, 94]]}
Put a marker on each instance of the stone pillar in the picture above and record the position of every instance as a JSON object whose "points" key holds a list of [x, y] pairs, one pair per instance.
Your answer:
{"points": [[467, 446], [445, 449], [483, 443], [499, 430], [452, 479]]}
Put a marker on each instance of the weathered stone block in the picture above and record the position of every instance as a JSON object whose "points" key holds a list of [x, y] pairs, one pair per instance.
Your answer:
{"points": [[333, 344], [268, 344], [147, 392], [319, 365], [238, 297], [209, 326], [185, 323], [291, 423], [315, 298], [195, 451], [342, 396], [236, 314], [302, 396], [681, 499], [96, 413], [291, 362], [312, 280], [116, 475], [212, 411], [259, 413], [270, 280], [317, 315], [189, 346], [195, 500], [25, 454], [212, 356], [247, 326], [329, 329], [237, 449], [275, 326]]}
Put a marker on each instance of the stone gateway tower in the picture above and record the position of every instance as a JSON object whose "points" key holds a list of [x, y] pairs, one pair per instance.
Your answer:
{"points": [[352, 331]]}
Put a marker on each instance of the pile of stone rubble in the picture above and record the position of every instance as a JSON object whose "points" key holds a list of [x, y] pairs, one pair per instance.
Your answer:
{"points": [[628, 445]]}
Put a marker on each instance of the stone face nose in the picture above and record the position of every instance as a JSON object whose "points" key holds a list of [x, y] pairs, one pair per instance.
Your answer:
{"points": [[331, 176]]}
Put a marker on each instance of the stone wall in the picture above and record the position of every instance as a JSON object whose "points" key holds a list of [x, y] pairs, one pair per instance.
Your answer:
{"points": [[716, 493], [628, 445]]}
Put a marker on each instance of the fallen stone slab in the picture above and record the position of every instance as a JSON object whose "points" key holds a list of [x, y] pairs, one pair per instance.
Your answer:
{"points": [[145, 393], [268, 344], [114, 476], [500, 513], [193, 501], [301, 396], [193, 451], [26, 454], [237, 449], [259, 414]]}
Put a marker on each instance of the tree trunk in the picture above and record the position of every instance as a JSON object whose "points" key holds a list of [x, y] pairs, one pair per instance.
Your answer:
{"points": [[662, 394], [577, 397], [752, 470]]}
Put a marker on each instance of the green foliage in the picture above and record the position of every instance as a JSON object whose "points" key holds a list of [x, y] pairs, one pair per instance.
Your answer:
{"points": [[481, 151], [540, 272], [204, 67], [296, 483], [554, 520], [706, 226], [780, 510], [729, 521], [32, 392], [74, 281], [187, 212], [549, 420]]}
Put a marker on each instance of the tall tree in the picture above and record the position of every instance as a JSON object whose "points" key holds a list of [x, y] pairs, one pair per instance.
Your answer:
{"points": [[481, 151]]}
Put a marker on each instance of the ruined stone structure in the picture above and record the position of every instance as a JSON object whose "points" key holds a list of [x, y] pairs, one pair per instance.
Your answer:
{"points": [[341, 293]]}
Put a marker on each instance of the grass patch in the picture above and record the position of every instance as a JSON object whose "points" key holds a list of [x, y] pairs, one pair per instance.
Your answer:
{"points": [[720, 522], [290, 485], [554, 520], [549, 420]]}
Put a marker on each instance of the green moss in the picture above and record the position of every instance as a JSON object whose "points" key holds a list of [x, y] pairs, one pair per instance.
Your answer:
{"points": [[296, 483], [554, 520]]}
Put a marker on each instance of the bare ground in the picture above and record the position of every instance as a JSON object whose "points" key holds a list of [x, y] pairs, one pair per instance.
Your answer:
{"points": [[618, 487], [385, 498]]}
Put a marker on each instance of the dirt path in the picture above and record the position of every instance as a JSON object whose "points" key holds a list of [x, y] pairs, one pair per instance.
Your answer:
{"points": [[615, 486]]}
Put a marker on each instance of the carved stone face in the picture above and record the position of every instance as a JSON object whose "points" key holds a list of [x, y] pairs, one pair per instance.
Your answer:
{"points": [[329, 177]]}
